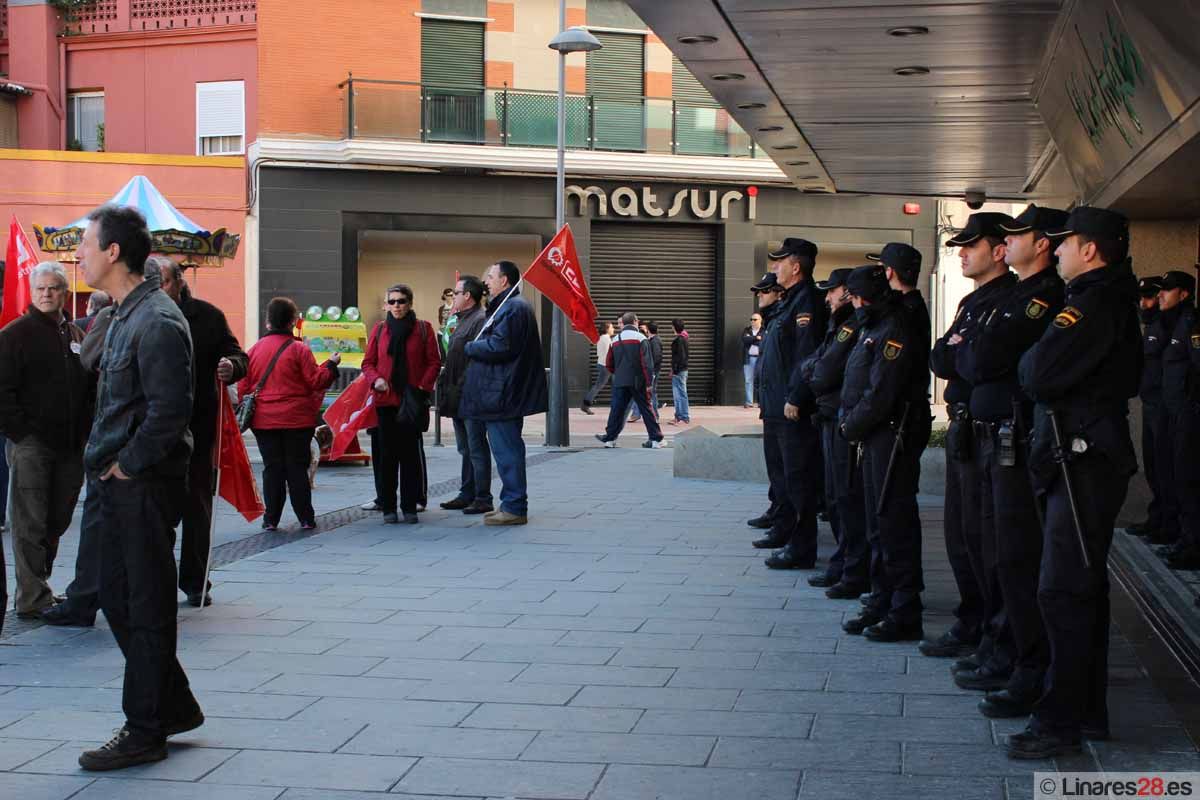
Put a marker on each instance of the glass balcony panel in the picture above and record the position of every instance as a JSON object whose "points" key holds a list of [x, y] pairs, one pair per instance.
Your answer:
{"points": [[708, 131], [659, 125], [619, 124], [533, 119], [385, 110], [454, 115]]}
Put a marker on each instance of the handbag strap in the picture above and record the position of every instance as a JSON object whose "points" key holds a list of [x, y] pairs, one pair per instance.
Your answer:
{"points": [[270, 367]]}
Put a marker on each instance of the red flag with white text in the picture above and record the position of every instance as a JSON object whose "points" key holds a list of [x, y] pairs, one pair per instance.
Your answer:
{"points": [[556, 274], [352, 411], [19, 261], [237, 484]]}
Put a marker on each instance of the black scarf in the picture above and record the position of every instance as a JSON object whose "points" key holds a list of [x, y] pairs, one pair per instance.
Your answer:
{"points": [[399, 330]]}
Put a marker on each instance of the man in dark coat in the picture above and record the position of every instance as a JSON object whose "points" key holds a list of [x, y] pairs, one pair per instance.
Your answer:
{"points": [[218, 357], [470, 435], [505, 383]]}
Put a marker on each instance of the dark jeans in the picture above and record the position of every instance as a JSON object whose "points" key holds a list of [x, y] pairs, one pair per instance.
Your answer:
{"points": [[285, 454], [601, 380], [1154, 428], [963, 546], [83, 595], [793, 453], [470, 436], [509, 449], [622, 397], [401, 461], [1074, 599], [844, 505], [197, 520], [137, 592]]}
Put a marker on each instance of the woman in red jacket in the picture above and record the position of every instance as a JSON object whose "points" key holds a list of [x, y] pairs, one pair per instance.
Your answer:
{"points": [[284, 415], [402, 359]]}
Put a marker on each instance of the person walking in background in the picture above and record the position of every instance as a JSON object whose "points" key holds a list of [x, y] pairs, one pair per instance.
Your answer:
{"points": [[284, 376], [654, 346], [401, 363], [506, 382], [602, 345], [752, 340], [679, 371], [470, 435], [446, 309], [629, 362], [45, 413], [96, 302]]}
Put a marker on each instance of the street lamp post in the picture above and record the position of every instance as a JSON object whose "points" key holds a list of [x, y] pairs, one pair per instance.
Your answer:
{"points": [[568, 40]]}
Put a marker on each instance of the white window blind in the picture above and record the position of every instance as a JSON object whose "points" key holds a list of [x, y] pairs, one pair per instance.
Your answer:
{"points": [[220, 114]]}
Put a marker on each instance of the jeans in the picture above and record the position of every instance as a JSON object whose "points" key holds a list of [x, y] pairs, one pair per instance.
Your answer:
{"points": [[401, 460], [137, 592], [679, 396], [509, 449], [602, 377], [748, 377], [83, 595], [285, 454], [470, 436]]}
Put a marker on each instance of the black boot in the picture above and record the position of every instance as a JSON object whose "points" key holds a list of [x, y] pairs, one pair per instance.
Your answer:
{"points": [[891, 630], [1006, 704], [866, 619], [772, 541], [986, 678], [789, 558], [824, 580], [948, 645], [1031, 744], [762, 521], [845, 591]]}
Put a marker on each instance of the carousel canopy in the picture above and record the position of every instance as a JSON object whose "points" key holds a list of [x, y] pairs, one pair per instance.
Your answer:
{"points": [[172, 232]]}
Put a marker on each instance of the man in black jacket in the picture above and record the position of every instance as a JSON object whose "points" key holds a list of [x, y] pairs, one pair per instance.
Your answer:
{"points": [[680, 347], [45, 411], [218, 357], [629, 361], [1154, 340], [654, 347], [470, 435], [791, 442]]}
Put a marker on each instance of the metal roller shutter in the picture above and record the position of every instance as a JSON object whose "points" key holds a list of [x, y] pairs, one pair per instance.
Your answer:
{"points": [[616, 82], [452, 78], [661, 272]]}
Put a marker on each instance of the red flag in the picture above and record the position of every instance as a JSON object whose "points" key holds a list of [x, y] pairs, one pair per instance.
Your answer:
{"points": [[237, 484], [556, 274], [19, 261], [352, 411]]}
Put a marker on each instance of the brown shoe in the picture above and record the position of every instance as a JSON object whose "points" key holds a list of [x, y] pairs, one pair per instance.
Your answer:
{"points": [[504, 518]]}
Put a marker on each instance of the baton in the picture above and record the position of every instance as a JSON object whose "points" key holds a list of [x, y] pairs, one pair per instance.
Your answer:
{"points": [[1060, 455], [897, 444]]}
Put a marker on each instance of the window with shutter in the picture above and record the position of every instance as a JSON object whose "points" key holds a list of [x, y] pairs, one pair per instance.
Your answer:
{"points": [[452, 80], [616, 81], [221, 118], [699, 121]]}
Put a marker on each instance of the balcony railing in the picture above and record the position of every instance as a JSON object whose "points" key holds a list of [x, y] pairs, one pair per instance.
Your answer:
{"points": [[379, 109]]}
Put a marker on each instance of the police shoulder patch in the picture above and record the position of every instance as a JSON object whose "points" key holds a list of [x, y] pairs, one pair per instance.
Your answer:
{"points": [[803, 320], [1036, 308], [1068, 317], [844, 333], [891, 349]]}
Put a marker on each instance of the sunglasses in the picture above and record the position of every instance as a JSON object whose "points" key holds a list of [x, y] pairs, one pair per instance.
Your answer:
{"points": [[398, 301]]}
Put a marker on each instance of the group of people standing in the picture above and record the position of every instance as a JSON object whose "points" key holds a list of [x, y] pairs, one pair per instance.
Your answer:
{"points": [[1040, 362], [649, 365]]}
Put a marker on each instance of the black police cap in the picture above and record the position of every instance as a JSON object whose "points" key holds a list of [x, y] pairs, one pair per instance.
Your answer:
{"points": [[903, 258], [1037, 218], [1148, 287], [1178, 279], [836, 278], [765, 284], [984, 223], [794, 247], [869, 282], [1092, 221]]}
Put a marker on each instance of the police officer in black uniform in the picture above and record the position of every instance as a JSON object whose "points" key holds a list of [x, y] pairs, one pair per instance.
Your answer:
{"points": [[847, 575], [1176, 301], [1187, 466], [877, 402], [978, 627], [791, 442], [1154, 418], [903, 264], [766, 295], [1081, 374], [1003, 418]]}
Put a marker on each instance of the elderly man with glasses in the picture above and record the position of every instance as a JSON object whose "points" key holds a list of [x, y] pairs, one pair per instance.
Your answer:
{"points": [[45, 413]]}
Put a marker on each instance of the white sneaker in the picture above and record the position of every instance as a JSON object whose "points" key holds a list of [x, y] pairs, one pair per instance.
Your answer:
{"points": [[371, 506], [651, 444], [609, 443]]}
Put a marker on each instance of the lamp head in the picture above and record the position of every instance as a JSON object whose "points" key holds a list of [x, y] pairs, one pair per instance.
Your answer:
{"points": [[575, 40]]}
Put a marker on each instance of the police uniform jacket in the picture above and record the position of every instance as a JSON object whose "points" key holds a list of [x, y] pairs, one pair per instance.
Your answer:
{"points": [[1193, 384], [989, 360], [825, 369], [1175, 359], [972, 310], [1154, 341], [794, 333], [878, 378], [1086, 367]]}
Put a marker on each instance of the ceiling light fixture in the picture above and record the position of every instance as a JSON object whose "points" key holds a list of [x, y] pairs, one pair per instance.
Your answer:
{"points": [[751, 106], [729, 76], [700, 38], [787, 147], [770, 129], [796, 163], [809, 178], [908, 30], [906, 71]]}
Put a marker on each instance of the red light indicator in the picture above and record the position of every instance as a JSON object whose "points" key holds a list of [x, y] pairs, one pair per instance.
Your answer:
{"points": [[752, 191], [912, 208]]}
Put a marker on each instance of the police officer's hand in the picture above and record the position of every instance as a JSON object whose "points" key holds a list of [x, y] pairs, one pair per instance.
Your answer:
{"points": [[224, 370], [791, 412], [380, 385], [955, 339]]}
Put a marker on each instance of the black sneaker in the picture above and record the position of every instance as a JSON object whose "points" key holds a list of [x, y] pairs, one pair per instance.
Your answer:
{"points": [[61, 615], [126, 749], [479, 507], [457, 504]]}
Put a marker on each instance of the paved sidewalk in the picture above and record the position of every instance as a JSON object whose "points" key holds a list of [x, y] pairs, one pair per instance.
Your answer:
{"points": [[626, 644]]}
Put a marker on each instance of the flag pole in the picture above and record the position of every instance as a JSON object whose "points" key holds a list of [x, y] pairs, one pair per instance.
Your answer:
{"points": [[216, 490]]}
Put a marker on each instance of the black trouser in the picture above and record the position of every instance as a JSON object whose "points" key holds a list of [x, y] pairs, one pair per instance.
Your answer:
{"points": [[896, 572], [137, 592], [1154, 428], [844, 505], [83, 595], [401, 461], [1165, 462], [286, 454], [622, 398], [963, 544], [1008, 492], [793, 451], [1187, 474], [1074, 599], [197, 519], [996, 644]]}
